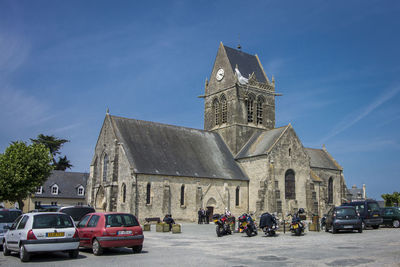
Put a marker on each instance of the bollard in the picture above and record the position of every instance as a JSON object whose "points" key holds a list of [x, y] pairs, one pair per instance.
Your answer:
{"points": [[146, 227], [176, 228]]}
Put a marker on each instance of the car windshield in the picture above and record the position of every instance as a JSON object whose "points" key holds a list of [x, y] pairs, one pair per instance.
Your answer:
{"points": [[41, 221], [77, 213], [373, 206], [345, 212], [118, 220], [9, 216]]}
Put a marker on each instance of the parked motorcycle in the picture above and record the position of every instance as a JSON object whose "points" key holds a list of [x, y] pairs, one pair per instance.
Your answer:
{"points": [[222, 225], [247, 224], [268, 223], [297, 226]]}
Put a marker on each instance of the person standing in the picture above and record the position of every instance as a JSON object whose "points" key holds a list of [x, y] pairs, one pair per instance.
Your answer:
{"points": [[199, 213], [207, 216]]}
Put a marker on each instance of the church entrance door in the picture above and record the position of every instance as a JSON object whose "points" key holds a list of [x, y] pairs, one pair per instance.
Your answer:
{"points": [[210, 212]]}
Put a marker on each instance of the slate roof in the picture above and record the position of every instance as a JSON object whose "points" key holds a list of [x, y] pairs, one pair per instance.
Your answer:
{"points": [[68, 183], [260, 143], [320, 159], [155, 148], [246, 63]]}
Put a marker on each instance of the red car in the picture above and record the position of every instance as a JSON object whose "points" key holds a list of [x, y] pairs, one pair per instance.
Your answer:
{"points": [[110, 230]]}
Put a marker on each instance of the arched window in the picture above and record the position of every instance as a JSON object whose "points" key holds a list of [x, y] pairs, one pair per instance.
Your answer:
{"points": [[105, 165], [330, 190], [290, 185], [182, 195], [216, 111], [260, 103], [250, 108], [224, 108], [148, 192], [237, 194], [123, 193]]}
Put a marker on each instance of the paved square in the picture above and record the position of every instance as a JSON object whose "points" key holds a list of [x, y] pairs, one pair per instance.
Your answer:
{"points": [[198, 245]]}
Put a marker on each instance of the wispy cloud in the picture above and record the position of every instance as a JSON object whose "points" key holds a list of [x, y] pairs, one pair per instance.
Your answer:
{"points": [[20, 109], [355, 117], [66, 128]]}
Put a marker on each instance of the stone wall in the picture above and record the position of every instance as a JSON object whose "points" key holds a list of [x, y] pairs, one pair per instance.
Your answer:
{"points": [[267, 176]]}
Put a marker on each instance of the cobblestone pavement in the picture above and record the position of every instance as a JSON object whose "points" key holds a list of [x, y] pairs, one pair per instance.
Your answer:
{"points": [[198, 245]]}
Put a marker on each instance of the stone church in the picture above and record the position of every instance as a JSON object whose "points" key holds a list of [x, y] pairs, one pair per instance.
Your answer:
{"points": [[240, 161]]}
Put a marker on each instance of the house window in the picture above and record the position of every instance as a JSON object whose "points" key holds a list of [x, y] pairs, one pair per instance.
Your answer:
{"points": [[54, 190], [105, 164], [54, 203], [250, 108], [182, 195], [224, 109], [330, 191], [216, 111], [237, 196], [81, 191], [290, 185], [148, 192], [39, 190], [123, 193], [260, 103]]}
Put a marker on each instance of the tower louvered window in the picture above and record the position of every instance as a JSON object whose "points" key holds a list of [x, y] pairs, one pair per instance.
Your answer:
{"points": [[260, 103], [216, 111], [250, 109], [224, 108]]}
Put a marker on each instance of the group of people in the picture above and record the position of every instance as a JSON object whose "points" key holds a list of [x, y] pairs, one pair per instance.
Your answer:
{"points": [[203, 216]]}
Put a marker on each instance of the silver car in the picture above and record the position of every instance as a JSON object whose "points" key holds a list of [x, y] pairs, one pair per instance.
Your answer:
{"points": [[42, 232]]}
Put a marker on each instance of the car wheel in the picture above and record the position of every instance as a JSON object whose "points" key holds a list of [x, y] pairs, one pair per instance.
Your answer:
{"points": [[396, 223], [97, 249], [73, 254], [6, 251], [375, 226], [137, 249], [23, 254], [360, 230], [363, 226], [334, 231], [326, 228]]}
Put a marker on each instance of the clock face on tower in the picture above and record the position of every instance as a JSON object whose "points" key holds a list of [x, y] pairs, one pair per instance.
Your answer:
{"points": [[220, 74]]}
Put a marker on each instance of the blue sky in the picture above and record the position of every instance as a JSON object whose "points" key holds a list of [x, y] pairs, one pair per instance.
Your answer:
{"points": [[63, 63]]}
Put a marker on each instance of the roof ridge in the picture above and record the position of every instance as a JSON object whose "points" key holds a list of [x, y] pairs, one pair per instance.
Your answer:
{"points": [[162, 124]]}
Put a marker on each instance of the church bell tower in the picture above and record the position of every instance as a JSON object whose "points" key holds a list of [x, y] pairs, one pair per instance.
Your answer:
{"points": [[239, 98]]}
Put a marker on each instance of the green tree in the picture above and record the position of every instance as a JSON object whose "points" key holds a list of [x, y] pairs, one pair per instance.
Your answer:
{"points": [[54, 145], [22, 169], [391, 199]]}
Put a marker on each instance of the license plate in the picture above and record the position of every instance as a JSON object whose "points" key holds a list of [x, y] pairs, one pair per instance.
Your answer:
{"points": [[376, 215], [124, 232], [59, 234], [295, 226], [348, 226]]}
